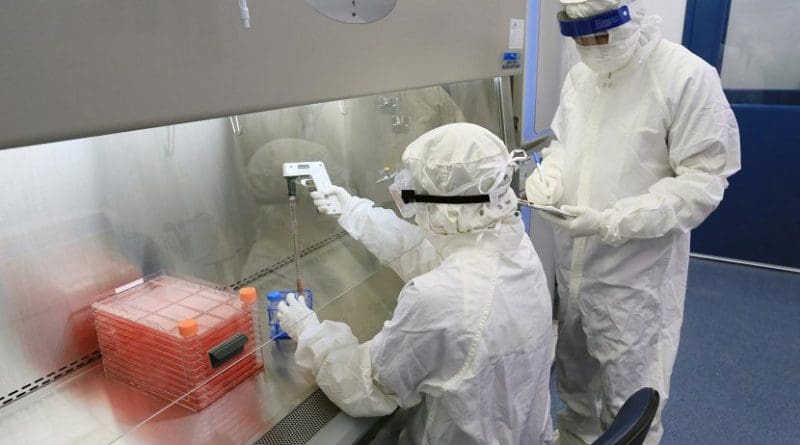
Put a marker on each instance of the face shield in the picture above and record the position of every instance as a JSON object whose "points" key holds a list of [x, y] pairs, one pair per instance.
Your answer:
{"points": [[606, 41], [588, 31]]}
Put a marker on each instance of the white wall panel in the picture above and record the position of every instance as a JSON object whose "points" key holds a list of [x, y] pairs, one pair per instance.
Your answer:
{"points": [[674, 14]]}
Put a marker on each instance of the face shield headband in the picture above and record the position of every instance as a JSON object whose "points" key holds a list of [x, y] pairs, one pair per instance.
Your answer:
{"points": [[597, 24], [406, 198], [410, 196]]}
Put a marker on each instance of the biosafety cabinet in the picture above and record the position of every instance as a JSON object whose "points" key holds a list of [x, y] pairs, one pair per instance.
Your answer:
{"points": [[144, 140]]}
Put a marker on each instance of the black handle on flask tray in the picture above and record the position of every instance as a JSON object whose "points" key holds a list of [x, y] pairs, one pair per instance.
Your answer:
{"points": [[227, 350]]}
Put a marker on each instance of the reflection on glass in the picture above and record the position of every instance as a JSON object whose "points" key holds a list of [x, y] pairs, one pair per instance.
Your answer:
{"points": [[480, 102], [760, 51], [82, 217], [360, 141]]}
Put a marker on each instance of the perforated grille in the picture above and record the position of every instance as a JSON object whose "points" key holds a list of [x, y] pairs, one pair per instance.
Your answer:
{"points": [[302, 423], [286, 261], [94, 356], [41, 382]]}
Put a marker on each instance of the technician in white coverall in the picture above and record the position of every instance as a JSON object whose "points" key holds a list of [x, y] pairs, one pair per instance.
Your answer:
{"points": [[468, 346], [644, 143]]}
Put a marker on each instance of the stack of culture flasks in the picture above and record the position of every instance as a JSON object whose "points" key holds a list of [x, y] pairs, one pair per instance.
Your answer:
{"points": [[177, 339]]}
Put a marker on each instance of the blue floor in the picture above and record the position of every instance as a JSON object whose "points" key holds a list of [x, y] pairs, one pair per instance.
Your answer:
{"points": [[737, 377]]}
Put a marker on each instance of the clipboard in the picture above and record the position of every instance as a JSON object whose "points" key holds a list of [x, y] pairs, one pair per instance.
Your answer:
{"points": [[552, 211]]}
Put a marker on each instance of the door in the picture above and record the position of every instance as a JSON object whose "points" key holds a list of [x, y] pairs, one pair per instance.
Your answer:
{"points": [[752, 44]]}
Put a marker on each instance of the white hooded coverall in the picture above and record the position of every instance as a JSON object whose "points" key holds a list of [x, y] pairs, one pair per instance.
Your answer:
{"points": [[468, 344], [649, 149]]}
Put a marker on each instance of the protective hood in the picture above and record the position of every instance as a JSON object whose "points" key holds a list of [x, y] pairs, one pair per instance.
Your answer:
{"points": [[623, 41], [588, 8], [461, 160]]}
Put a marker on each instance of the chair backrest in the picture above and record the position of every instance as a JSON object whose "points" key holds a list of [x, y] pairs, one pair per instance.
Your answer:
{"points": [[633, 420]]}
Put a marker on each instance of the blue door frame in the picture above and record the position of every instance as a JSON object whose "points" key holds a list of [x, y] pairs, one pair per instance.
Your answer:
{"points": [[706, 28], [759, 219]]}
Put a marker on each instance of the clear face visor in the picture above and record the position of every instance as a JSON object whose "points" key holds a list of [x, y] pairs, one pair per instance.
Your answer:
{"points": [[406, 198], [593, 30]]}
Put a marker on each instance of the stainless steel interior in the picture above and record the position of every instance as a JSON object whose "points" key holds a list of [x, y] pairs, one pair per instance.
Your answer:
{"points": [[205, 200]]}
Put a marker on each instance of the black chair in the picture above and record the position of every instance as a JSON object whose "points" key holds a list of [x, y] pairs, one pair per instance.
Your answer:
{"points": [[633, 420]]}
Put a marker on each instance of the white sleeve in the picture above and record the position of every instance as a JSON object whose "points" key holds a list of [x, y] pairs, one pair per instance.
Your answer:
{"points": [[343, 369], [704, 150], [374, 378], [397, 243]]}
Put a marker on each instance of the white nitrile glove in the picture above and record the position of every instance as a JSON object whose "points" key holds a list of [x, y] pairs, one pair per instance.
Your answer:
{"points": [[295, 317], [544, 189], [587, 221], [322, 199]]}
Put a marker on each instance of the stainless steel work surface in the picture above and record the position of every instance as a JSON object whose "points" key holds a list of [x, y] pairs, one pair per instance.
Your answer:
{"points": [[201, 200], [89, 408]]}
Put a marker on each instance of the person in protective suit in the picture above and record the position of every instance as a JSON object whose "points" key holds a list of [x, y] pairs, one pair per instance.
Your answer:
{"points": [[645, 141], [467, 349]]}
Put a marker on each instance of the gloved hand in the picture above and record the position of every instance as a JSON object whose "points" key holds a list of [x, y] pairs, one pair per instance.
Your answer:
{"points": [[295, 317], [322, 199], [587, 221], [545, 189]]}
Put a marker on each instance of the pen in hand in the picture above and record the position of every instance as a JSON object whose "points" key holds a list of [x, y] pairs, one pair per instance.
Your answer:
{"points": [[538, 160]]}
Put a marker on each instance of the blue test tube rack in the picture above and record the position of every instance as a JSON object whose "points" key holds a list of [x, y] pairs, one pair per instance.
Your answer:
{"points": [[273, 299]]}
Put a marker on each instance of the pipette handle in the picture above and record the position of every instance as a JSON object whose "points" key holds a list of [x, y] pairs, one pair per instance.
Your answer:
{"points": [[323, 183], [319, 179]]}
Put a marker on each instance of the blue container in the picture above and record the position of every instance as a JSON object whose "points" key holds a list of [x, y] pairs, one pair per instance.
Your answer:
{"points": [[275, 297]]}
